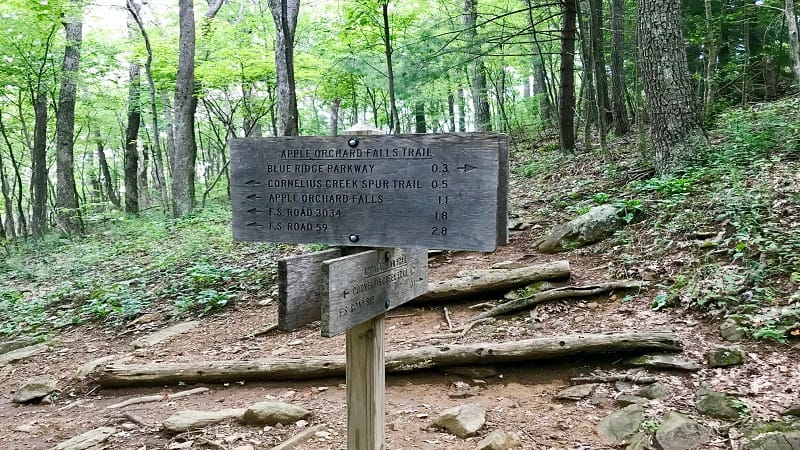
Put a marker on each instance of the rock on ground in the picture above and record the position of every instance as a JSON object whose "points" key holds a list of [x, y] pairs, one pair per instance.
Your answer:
{"points": [[271, 413], [663, 362], [718, 405], [35, 389], [189, 420], [725, 356], [163, 335], [576, 392], [775, 441], [653, 392], [22, 353], [499, 440], [464, 420], [620, 425], [88, 439], [597, 224], [678, 432]]}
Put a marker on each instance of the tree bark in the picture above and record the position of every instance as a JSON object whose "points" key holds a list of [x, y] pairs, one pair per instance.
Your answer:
{"points": [[39, 222], [284, 14], [23, 226], [477, 69], [394, 121], [67, 212], [183, 161], [419, 118], [539, 79], [335, 104], [794, 38], [599, 67], [424, 358], [462, 110], [8, 203], [492, 280], [131, 160], [619, 111], [566, 105], [107, 181], [674, 128]]}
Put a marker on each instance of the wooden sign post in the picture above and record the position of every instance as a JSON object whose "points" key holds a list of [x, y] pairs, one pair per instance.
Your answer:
{"points": [[409, 191]]}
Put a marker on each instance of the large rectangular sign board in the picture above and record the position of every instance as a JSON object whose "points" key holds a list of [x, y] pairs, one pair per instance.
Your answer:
{"points": [[367, 284], [444, 191]]}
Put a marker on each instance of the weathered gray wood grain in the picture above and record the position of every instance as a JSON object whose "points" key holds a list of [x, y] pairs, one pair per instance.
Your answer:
{"points": [[301, 287]]}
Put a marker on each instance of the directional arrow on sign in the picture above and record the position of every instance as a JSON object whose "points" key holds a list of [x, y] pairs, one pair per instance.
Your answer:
{"points": [[466, 168], [253, 210], [253, 197]]}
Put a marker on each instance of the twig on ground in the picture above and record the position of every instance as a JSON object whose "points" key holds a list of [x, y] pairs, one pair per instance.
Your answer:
{"points": [[447, 318], [474, 323], [156, 398]]}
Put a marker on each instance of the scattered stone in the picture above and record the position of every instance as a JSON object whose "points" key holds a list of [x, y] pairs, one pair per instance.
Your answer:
{"points": [[718, 405], [499, 440], [627, 399], [725, 356], [88, 439], [678, 432], [597, 224], [473, 372], [577, 392], [244, 447], [519, 225], [460, 389], [730, 331], [654, 391], [87, 368], [620, 425], [189, 420], [639, 441], [35, 389], [464, 420], [18, 343], [271, 413], [22, 353], [162, 335], [509, 265], [775, 440], [663, 362], [793, 410]]}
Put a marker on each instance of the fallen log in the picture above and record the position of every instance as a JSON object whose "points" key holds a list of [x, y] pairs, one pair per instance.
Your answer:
{"points": [[396, 361], [493, 280], [558, 294]]}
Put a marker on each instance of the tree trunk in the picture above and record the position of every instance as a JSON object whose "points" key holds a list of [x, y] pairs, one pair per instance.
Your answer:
{"points": [[4, 187], [107, 181], [477, 69], [710, 58], [539, 79], [419, 118], [462, 110], [394, 124], [794, 38], [284, 13], [67, 212], [451, 112], [183, 163], [131, 142], [23, 226], [566, 107], [144, 194], [39, 167], [674, 128], [599, 67], [423, 358], [335, 104], [619, 112]]}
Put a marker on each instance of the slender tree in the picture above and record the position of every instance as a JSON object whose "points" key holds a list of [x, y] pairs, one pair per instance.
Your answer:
{"points": [[477, 68], [131, 160], [794, 38], [674, 127], [185, 152], [566, 105], [620, 112], [387, 45], [284, 13]]}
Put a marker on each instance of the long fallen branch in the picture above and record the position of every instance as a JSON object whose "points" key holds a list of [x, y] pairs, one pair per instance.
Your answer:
{"points": [[397, 361], [558, 294], [492, 280], [157, 398]]}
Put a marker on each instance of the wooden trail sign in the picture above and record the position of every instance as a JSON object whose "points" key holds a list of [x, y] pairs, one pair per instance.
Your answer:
{"points": [[444, 191], [368, 284], [302, 287]]}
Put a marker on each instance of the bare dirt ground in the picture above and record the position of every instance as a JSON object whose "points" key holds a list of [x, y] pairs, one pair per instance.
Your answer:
{"points": [[517, 398]]}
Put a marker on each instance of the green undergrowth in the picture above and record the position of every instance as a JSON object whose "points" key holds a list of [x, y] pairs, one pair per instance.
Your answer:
{"points": [[130, 265], [721, 239]]}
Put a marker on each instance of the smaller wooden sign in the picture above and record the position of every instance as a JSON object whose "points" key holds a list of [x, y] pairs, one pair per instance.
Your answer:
{"points": [[301, 288], [367, 284]]}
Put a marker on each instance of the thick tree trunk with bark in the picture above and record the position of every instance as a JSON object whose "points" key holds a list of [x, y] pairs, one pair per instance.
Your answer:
{"points": [[23, 225], [284, 14], [794, 37], [424, 358], [131, 142], [39, 222], [566, 105], [674, 127], [477, 69], [619, 111], [335, 104], [183, 160], [67, 212], [10, 225], [461, 103], [419, 118]]}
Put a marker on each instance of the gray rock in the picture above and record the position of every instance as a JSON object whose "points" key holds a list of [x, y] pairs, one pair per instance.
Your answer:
{"points": [[775, 440], [663, 362], [730, 331], [499, 440], [270, 413], [22, 353], [18, 343], [597, 224], [620, 425], [718, 405], [725, 356], [639, 441], [678, 432], [472, 372], [190, 420], [627, 399], [35, 389], [793, 410], [162, 335], [575, 393], [653, 392], [464, 420], [88, 439]]}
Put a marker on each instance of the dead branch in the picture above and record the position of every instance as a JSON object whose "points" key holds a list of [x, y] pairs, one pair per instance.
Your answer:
{"points": [[157, 398]]}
